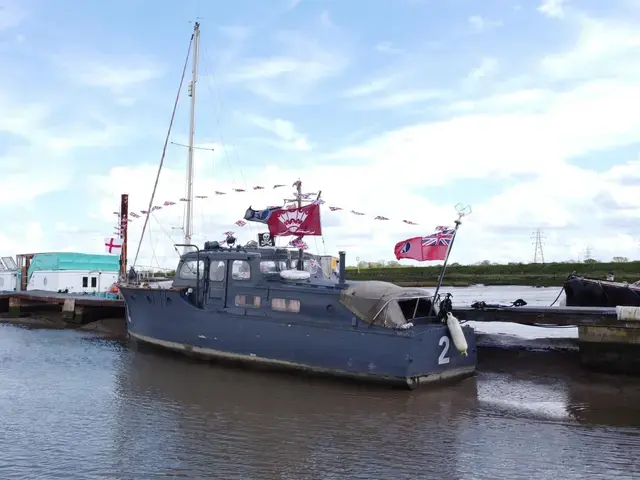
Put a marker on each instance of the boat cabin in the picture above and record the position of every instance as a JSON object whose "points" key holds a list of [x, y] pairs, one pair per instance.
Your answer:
{"points": [[9, 275], [72, 272], [254, 281]]}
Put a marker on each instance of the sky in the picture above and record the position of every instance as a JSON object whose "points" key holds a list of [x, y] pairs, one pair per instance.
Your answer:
{"points": [[526, 110]]}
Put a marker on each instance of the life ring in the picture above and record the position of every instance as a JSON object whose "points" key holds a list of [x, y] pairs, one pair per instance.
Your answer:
{"points": [[114, 289]]}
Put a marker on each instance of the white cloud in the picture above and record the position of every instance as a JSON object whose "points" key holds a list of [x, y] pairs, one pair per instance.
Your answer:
{"points": [[115, 75], [41, 162], [375, 85], [601, 49], [389, 91], [291, 76], [501, 137], [402, 98], [16, 189], [487, 67], [237, 33], [286, 131], [388, 47], [481, 24], [553, 8], [36, 123]]}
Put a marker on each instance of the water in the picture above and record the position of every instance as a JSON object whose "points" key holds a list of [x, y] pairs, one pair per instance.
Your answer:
{"points": [[74, 406]]}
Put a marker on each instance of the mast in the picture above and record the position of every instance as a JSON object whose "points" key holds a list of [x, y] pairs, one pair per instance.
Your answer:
{"points": [[300, 250], [124, 224], [192, 129]]}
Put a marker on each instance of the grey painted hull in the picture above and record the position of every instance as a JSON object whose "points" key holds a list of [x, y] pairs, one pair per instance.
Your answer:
{"points": [[410, 358]]}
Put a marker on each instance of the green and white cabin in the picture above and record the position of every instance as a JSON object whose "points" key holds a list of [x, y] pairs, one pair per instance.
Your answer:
{"points": [[74, 272]]}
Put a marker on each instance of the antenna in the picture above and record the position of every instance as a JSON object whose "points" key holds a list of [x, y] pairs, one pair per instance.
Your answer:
{"points": [[538, 241]]}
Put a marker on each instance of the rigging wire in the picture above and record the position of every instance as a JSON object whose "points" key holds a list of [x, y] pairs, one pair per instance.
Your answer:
{"points": [[153, 249], [163, 230], [214, 93], [164, 149]]}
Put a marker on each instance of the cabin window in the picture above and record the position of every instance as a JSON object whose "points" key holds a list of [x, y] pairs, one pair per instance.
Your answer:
{"points": [[85, 282], [285, 305], [217, 270], [248, 301], [94, 282], [240, 270], [271, 266], [189, 269], [1, 281]]}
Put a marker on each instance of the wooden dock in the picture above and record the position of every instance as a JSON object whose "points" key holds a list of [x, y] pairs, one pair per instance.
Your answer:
{"points": [[75, 308], [540, 316], [609, 338]]}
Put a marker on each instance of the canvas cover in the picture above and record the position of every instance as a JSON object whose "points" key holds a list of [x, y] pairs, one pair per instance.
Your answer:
{"points": [[365, 299], [73, 261]]}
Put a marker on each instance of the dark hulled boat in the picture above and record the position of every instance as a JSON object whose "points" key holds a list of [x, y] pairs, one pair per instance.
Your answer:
{"points": [[590, 292], [249, 305], [259, 306]]}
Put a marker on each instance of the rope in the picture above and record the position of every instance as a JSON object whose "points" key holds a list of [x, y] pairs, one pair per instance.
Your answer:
{"points": [[164, 149], [554, 302]]}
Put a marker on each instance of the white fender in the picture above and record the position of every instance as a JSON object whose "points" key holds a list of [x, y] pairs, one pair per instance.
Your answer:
{"points": [[295, 274], [456, 334], [628, 313]]}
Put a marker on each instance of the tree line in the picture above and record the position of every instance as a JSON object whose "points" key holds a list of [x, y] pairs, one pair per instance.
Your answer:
{"points": [[396, 264], [488, 273]]}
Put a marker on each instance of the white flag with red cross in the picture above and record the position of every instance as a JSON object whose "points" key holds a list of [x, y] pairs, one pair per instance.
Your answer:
{"points": [[113, 245]]}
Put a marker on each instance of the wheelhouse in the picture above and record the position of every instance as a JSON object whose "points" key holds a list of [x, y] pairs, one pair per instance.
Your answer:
{"points": [[217, 277], [249, 281]]}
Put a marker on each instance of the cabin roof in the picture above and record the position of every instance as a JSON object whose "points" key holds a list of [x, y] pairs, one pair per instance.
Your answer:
{"points": [[247, 252], [74, 261]]}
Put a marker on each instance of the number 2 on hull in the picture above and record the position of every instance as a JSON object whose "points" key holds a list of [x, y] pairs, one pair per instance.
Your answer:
{"points": [[445, 343]]}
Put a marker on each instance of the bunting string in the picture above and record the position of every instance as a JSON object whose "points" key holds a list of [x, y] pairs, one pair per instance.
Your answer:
{"points": [[309, 197]]}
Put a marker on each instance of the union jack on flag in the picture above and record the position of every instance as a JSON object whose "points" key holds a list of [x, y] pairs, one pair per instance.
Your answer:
{"points": [[442, 237]]}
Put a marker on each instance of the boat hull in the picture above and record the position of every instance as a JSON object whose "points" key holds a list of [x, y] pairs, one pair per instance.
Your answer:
{"points": [[421, 355], [587, 292]]}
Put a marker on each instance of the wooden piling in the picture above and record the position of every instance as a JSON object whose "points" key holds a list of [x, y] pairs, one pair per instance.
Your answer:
{"points": [[14, 306], [68, 309], [611, 348], [4, 303]]}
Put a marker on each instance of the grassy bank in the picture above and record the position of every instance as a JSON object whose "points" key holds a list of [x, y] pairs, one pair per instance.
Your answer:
{"points": [[548, 275]]}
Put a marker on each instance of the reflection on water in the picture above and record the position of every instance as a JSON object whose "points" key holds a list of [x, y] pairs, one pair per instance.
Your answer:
{"points": [[74, 406]]}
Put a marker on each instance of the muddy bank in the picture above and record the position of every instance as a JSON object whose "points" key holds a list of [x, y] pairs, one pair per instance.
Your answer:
{"points": [[108, 327]]}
